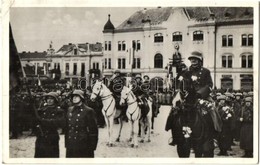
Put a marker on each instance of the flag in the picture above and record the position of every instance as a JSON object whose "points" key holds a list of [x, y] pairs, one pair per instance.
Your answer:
{"points": [[15, 68]]}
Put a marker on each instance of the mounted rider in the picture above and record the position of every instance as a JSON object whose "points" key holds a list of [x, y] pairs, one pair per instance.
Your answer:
{"points": [[141, 91]]}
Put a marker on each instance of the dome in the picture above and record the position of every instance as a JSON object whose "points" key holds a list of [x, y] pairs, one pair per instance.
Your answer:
{"points": [[109, 27]]}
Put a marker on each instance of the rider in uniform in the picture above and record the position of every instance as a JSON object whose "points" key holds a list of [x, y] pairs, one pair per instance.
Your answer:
{"points": [[202, 82], [117, 82]]}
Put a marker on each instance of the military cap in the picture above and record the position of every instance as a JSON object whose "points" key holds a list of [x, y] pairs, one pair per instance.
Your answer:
{"points": [[251, 93], [147, 77], [227, 94], [78, 92], [221, 97], [117, 71], [249, 99], [218, 94], [138, 76], [238, 94], [52, 94], [197, 55]]}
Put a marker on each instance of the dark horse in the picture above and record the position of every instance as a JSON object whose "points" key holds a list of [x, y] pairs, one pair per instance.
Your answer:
{"points": [[193, 121]]}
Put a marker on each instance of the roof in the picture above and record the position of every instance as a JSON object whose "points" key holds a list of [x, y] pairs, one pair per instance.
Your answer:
{"points": [[153, 16], [31, 55], [157, 16], [82, 47], [109, 27]]}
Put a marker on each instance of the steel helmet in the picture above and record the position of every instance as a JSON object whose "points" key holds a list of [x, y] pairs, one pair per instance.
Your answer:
{"points": [[196, 55], [53, 94], [78, 92]]}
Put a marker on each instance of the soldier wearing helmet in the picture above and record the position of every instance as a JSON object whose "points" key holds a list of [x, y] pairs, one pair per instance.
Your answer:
{"points": [[82, 132], [50, 118], [201, 79], [237, 109], [246, 133]]}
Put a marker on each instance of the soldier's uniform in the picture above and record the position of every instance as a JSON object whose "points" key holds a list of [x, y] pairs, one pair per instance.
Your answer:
{"points": [[82, 132], [47, 141], [225, 134], [237, 110], [246, 133]]}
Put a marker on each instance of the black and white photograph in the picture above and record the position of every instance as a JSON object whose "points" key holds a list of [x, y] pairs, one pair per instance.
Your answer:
{"points": [[152, 83]]}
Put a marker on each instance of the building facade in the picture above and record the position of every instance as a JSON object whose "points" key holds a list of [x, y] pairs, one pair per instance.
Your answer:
{"points": [[145, 42], [71, 62]]}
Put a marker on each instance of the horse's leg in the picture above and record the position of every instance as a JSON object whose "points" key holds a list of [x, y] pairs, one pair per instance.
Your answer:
{"points": [[111, 123], [152, 124], [135, 130], [149, 120], [131, 131], [120, 128], [108, 128], [142, 127]]}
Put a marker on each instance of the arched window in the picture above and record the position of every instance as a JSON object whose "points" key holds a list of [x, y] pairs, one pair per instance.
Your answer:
{"points": [[197, 35], [230, 40], [250, 40], [244, 40], [227, 61], [177, 36], [158, 37], [158, 61], [247, 60]]}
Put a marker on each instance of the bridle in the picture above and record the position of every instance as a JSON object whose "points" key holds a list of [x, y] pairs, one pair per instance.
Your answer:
{"points": [[127, 98], [103, 97]]}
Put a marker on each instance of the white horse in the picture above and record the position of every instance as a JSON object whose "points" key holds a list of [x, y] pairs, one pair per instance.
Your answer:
{"points": [[133, 114], [109, 108]]}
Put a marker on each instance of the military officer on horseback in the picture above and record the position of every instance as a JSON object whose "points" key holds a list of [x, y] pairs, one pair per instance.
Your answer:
{"points": [[201, 78]]}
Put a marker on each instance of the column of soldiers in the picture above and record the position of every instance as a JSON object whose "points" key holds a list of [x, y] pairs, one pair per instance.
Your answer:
{"points": [[236, 111]]}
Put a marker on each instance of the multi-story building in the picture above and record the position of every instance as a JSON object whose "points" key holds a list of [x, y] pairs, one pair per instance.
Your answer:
{"points": [[145, 42], [71, 61]]}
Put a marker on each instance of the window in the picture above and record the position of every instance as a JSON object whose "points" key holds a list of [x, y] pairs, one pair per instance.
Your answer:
{"points": [[121, 63], [123, 45], [250, 61], [109, 63], [244, 40], [227, 61], [224, 40], [247, 83], [158, 37], [95, 65], [247, 61], [138, 45], [243, 61], [105, 63], [67, 69], [105, 45], [109, 45], [230, 40], [137, 63], [75, 69], [82, 69], [227, 40], [75, 51], [119, 46], [247, 40], [197, 35], [177, 36], [158, 61], [226, 83], [250, 40]]}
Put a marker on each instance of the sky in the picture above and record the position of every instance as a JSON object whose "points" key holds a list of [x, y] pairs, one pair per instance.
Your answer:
{"points": [[35, 27]]}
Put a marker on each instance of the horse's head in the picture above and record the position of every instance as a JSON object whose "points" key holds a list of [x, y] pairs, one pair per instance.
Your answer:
{"points": [[96, 90], [125, 95]]}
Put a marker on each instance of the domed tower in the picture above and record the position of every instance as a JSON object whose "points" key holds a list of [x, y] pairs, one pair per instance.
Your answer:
{"points": [[108, 47], [109, 27]]}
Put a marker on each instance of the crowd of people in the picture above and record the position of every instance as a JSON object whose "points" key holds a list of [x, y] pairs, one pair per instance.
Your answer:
{"points": [[45, 111]]}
